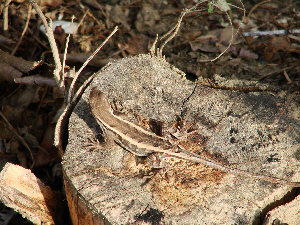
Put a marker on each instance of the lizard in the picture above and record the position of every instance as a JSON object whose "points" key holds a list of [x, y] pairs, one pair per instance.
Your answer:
{"points": [[148, 142]]}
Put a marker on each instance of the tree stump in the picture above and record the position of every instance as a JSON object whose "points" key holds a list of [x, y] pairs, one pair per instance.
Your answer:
{"points": [[255, 131]]}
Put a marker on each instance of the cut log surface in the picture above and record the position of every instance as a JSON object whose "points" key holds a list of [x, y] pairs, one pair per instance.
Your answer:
{"points": [[255, 131]]}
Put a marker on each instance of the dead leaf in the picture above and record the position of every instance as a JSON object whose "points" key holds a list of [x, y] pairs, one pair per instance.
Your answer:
{"points": [[147, 17], [281, 43], [277, 43], [246, 53], [214, 41], [8, 73], [138, 44], [17, 62]]}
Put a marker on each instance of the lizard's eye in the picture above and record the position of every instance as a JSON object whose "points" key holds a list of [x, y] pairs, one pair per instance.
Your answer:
{"points": [[155, 144]]}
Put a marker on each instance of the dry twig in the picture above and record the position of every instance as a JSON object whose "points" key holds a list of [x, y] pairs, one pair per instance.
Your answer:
{"points": [[66, 51], [256, 6], [172, 32], [71, 89], [5, 15], [73, 100], [49, 32], [232, 33]]}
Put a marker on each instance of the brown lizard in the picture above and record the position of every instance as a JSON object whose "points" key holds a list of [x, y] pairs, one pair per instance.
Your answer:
{"points": [[139, 138]]}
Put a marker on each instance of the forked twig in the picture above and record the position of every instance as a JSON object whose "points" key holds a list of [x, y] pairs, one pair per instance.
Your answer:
{"points": [[49, 32], [73, 99], [232, 33], [173, 32], [175, 29]]}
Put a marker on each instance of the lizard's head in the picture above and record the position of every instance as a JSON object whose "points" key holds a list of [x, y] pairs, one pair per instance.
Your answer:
{"points": [[98, 100]]}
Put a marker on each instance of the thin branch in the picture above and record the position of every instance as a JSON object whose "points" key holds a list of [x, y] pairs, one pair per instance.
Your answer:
{"points": [[232, 35], [24, 30], [62, 122], [173, 31], [232, 32], [66, 51], [65, 55], [71, 89], [256, 6], [153, 47], [82, 19], [67, 43], [37, 80], [49, 32], [243, 8], [231, 40]]}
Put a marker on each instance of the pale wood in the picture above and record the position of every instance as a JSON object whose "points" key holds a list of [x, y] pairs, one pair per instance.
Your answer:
{"points": [[22, 191]]}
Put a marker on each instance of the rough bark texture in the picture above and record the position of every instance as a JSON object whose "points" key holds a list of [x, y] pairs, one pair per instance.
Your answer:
{"points": [[258, 132]]}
